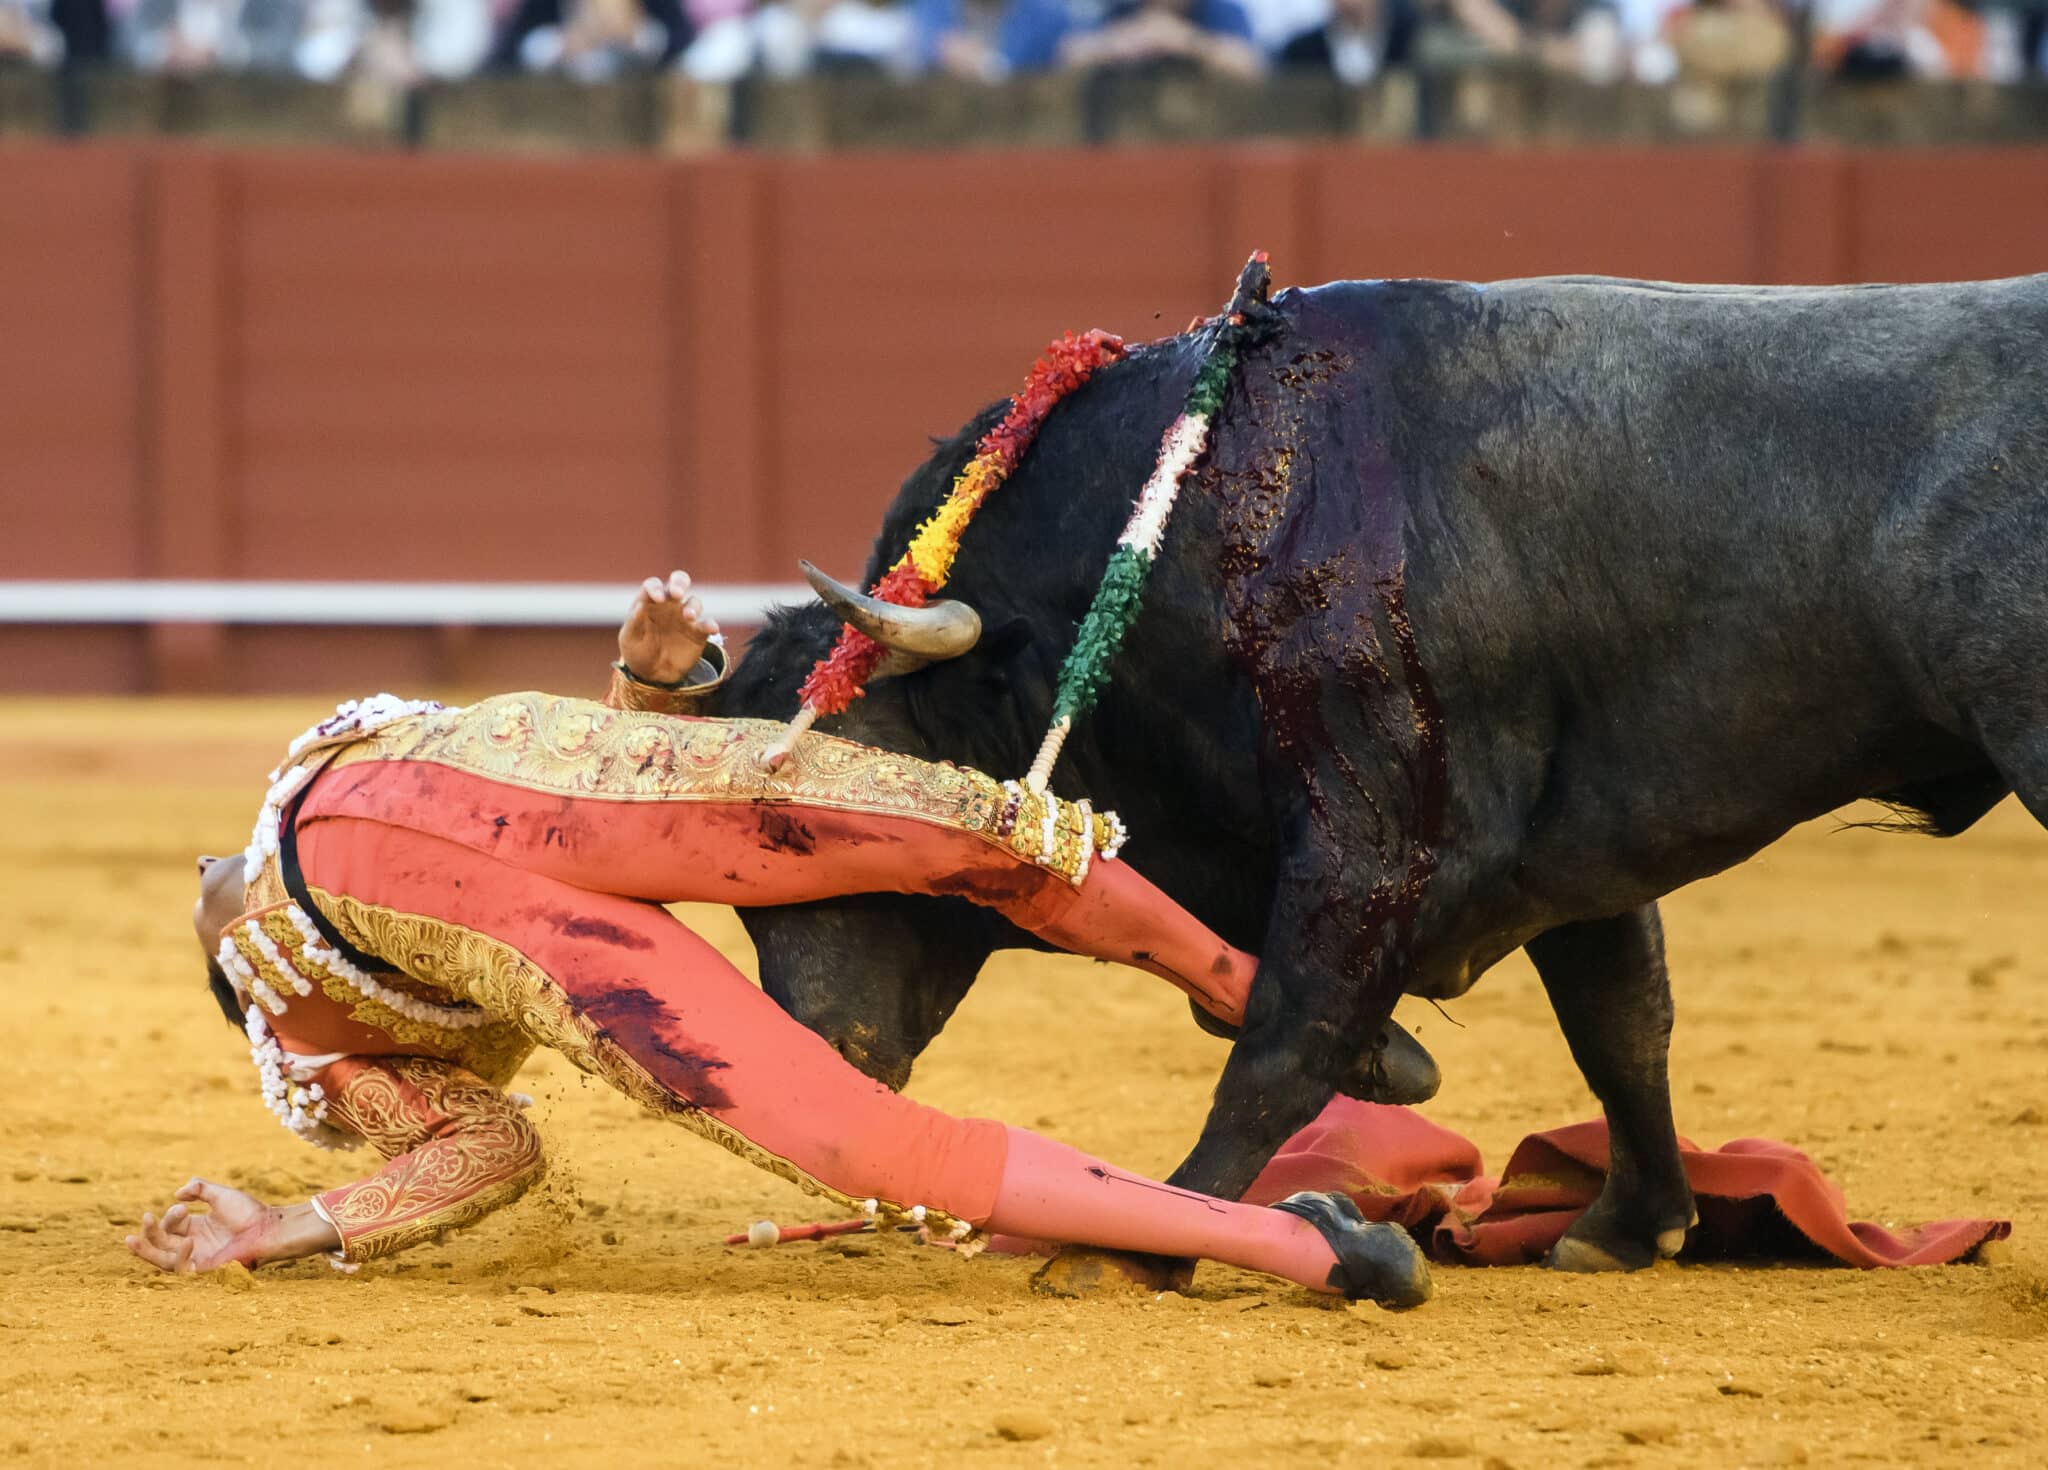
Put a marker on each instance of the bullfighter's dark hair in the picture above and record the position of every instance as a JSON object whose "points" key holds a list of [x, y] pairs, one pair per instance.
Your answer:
{"points": [[224, 993]]}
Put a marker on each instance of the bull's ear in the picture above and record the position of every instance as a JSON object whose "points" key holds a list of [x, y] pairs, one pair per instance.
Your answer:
{"points": [[1005, 642], [987, 709]]}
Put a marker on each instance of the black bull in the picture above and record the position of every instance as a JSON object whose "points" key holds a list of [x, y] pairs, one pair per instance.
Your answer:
{"points": [[1494, 614]]}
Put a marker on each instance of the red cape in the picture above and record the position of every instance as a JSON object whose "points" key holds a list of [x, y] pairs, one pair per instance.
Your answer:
{"points": [[1757, 1199]]}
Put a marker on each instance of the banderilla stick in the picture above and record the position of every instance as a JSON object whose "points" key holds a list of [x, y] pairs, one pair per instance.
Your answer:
{"points": [[817, 1231], [826, 1229]]}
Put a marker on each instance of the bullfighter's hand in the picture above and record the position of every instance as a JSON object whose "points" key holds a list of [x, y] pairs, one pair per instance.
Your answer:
{"points": [[236, 1227], [665, 630]]}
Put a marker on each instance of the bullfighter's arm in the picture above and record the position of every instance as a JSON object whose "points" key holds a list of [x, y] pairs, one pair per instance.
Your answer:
{"points": [[670, 655], [457, 1147]]}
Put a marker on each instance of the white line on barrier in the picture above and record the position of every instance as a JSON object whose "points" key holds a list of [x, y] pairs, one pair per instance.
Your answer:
{"points": [[367, 604]]}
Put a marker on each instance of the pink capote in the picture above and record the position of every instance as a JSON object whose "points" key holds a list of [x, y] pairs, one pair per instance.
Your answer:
{"points": [[1757, 1199]]}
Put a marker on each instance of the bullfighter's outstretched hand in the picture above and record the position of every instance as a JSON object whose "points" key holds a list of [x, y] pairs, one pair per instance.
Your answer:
{"points": [[665, 631], [237, 1228]]}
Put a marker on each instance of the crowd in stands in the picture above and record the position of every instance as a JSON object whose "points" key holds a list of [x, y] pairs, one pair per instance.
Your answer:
{"points": [[404, 41]]}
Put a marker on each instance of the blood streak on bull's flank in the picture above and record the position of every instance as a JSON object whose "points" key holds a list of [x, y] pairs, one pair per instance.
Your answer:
{"points": [[1314, 575]]}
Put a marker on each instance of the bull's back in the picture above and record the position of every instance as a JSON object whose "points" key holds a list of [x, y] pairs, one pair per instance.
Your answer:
{"points": [[1686, 543]]}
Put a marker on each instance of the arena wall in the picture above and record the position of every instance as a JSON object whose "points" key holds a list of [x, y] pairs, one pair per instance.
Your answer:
{"points": [[323, 365]]}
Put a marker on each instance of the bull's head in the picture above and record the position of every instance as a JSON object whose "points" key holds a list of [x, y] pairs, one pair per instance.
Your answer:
{"points": [[972, 681], [879, 975]]}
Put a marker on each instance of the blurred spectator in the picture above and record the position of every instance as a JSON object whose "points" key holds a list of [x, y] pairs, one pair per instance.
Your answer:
{"points": [[449, 38], [198, 35], [1646, 33], [1214, 35], [26, 33], [87, 31], [1361, 39], [1276, 22], [789, 39], [1729, 40], [1876, 40], [330, 35], [590, 40], [1579, 37], [987, 40], [392, 43]]}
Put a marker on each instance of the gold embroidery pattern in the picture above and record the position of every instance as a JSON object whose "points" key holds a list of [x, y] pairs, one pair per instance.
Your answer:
{"points": [[465, 964], [458, 1148], [493, 1050], [268, 891], [543, 742], [494, 975]]}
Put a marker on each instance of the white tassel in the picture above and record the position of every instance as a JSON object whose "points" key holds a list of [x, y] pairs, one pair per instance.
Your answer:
{"points": [[1048, 756]]}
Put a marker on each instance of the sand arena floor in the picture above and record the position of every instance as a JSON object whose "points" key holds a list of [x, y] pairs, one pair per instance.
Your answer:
{"points": [[1880, 1001]]}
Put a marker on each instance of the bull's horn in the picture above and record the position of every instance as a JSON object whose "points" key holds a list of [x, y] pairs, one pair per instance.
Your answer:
{"points": [[938, 630]]}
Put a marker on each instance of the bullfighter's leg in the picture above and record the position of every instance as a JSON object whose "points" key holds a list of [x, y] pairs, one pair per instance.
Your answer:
{"points": [[1612, 996], [748, 853], [1301, 1042], [631, 994]]}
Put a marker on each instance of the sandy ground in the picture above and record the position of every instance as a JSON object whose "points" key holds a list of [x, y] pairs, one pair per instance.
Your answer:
{"points": [[1880, 1001]]}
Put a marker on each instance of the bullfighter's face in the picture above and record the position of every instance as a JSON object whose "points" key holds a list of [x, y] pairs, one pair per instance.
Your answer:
{"points": [[221, 900]]}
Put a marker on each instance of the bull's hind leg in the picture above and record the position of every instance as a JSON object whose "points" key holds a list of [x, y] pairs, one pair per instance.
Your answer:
{"points": [[2024, 765], [2014, 730], [1608, 986]]}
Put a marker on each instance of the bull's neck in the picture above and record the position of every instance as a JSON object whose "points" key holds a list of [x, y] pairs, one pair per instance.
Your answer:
{"points": [[1173, 748]]}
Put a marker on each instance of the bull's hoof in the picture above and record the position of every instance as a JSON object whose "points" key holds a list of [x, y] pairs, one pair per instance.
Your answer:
{"points": [[1397, 1071], [1079, 1271], [1375, 1262], [1576, 1254], [1595, 1244]]}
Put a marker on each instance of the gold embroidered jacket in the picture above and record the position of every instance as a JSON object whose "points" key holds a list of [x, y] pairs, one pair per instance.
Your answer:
{"points": [[457, 1147]]}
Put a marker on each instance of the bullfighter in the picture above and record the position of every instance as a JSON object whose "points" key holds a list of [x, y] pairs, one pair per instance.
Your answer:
{"points": [[432, 893]]}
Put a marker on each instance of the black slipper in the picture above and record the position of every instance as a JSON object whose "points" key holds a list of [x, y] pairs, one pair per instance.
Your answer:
{"points": [[1375, 1262]]}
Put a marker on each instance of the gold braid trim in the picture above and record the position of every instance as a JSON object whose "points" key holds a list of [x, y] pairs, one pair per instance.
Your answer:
{"points": [[497, 977], [574, 747], [280, 984], [494, 1050], [458, 1149], [465, 964]]}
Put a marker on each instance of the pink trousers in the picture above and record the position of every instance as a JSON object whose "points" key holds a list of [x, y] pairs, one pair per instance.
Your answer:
{"points": [[575, 886]]}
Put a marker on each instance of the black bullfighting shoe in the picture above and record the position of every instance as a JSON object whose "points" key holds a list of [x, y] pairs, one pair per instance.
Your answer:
{"points": [[1375, 1262]]}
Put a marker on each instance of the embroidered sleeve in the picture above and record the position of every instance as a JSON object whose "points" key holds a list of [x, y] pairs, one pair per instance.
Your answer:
{"points": [[457, 1147], [629, 692]]}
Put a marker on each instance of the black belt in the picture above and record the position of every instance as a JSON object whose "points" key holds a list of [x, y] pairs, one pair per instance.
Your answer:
{"points": [[295, 884]]}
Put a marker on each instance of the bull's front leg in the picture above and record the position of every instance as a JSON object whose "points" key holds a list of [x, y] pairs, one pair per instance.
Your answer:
{"points": [[1307, 1025], [1608, 985], [1327, 981]]}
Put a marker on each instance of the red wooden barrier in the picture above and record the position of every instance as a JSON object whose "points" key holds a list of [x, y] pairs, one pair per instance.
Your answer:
{"points": [[329, 365]]}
